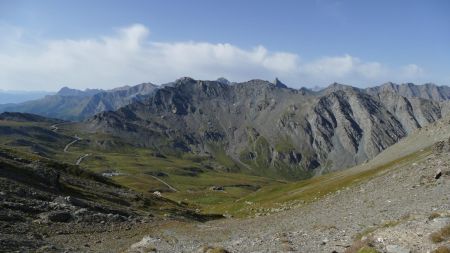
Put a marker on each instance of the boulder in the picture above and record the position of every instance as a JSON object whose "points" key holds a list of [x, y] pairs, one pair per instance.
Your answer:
{"points": [[438, 174], [56, 216], [217, 188]]}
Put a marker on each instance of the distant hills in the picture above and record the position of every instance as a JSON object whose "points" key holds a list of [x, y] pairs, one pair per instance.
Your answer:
{"points": [[72, 104], [68, 92]]}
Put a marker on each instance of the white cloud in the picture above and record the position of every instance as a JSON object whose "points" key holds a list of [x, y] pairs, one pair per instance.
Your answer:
{"points": [[129, 57], [411, 71], [331, 67], [347, 69]]}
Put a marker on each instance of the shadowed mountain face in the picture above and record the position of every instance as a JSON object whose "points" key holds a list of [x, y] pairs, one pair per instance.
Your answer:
{"points": [[270, 129], [71, 104]]}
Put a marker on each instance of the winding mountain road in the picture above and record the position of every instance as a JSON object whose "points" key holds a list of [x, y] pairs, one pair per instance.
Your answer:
{"points": [[166, 184], [54, 127], [80, 159], [66, 148]]}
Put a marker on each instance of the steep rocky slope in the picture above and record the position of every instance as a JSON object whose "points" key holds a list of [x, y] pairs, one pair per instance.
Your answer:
{"points": [[268, 128], [71, 104], [41, 199]]}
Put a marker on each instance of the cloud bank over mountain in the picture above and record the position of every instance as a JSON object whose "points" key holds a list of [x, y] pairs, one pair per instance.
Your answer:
{"points": [[130, 56]]}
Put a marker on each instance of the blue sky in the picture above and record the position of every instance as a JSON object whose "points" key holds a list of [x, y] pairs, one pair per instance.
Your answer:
{"points": [[47, 44]]}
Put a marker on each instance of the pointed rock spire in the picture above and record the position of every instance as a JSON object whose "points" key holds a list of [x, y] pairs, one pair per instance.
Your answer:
{"points": [[278, 83]]}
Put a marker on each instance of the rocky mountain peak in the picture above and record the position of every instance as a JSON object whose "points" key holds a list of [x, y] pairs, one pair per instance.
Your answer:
{"points": [[183, 82], [145, 87], [68, 92], [223, 80], [338, 87], [185, 79], [279, 84], [389, 87], [389, 84]]}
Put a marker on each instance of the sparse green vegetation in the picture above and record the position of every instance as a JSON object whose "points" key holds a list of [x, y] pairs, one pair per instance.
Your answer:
{"points": [[368, 250], [192, 176], [222, 158]]}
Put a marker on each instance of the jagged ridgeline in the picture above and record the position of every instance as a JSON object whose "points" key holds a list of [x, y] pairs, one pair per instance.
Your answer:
{"points": [[268, 129]]}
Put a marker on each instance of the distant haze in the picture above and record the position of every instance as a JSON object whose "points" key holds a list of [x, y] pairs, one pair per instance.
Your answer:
{"points": [[7, 97]]}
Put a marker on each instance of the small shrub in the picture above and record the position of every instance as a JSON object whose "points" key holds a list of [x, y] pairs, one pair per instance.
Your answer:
{"points": [[442, 249], [361, 247], [436, 237], [434, 216], [368, 250], [209, 249], [441, 235], [357, 245]]}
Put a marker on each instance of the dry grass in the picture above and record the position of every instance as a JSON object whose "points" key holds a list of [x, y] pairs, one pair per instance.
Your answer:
{"points": [[442, 249], [359, 246], [434, 216], [441, 235], [368, 250]]}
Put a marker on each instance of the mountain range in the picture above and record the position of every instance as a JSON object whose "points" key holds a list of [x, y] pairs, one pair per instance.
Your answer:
{"points": [[265, 128], [270, 129]]}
